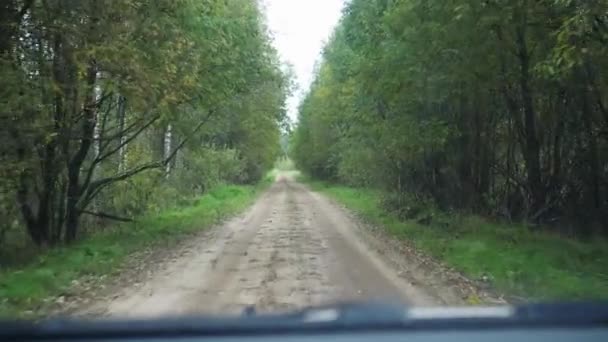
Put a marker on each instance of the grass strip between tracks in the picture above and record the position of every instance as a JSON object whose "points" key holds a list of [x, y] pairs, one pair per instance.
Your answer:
{"points": [[29, 290], [522, 264]]}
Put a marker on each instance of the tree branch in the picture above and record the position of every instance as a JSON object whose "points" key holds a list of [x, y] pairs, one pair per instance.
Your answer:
{"points": [[107, 216], [94, 105], [103, 156], [95, 187], [120, 134], [126, 141]]}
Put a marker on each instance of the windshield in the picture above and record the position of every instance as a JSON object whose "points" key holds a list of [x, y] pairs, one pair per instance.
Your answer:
{"points": [[171, 158]]}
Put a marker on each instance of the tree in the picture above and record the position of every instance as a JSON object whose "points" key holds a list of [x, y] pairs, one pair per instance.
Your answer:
{"points": [[88, 85], [494, 107]]}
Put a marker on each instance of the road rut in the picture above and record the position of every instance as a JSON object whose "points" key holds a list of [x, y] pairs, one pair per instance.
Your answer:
{"points": [[291, 249]]}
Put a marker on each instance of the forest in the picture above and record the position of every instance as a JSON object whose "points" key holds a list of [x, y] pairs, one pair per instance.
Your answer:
{"points": [[113, 109], [494, 108], [154, 142]]}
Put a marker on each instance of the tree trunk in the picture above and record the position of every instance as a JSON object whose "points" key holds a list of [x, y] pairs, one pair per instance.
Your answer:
{"points": [[74, 190], [532, 146], [97, 130], [556, 166], [167, 149], [121, 126], [34, 231], [47, 193], [59, 213], [593, 162]]}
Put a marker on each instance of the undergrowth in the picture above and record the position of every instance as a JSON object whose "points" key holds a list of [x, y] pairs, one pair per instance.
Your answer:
{"points": [[522, 263], [25, 291]]}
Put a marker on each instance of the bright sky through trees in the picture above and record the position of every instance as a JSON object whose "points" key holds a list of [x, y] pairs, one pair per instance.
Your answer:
{"points": [[300, 28]]}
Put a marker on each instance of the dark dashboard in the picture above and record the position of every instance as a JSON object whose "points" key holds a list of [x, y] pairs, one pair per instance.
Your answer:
{"points": [[342, 323]]}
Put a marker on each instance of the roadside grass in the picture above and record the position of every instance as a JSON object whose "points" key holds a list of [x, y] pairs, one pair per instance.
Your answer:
{"points": [[523, 264], [24, 291]]}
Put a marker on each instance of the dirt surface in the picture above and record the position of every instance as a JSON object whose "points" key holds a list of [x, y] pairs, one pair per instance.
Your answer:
{"points": [[293, 248]]}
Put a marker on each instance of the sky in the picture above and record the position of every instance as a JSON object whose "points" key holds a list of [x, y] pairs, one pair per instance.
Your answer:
{"points": [[300, 28]]}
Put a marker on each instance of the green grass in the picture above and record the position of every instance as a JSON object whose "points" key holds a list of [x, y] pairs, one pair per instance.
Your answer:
{"points": [[23, 291], [518, 262]]}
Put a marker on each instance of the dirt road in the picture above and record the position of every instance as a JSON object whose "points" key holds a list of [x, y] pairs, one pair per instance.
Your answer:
{"points": [[293, 248]]}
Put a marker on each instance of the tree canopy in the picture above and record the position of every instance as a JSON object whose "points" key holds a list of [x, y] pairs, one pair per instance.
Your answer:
{"points": [[493, 107], [111, 108]]}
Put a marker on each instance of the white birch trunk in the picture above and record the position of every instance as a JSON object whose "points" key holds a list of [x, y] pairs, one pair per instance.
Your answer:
{"points": [[167, 149], [122, 152]]}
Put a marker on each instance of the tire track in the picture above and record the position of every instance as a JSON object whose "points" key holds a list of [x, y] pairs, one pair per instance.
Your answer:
{"points": [[293, 248]]}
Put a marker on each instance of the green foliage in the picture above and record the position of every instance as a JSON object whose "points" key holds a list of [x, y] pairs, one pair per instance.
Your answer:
{"points": [[516, 261], [492, 107], [495, 108], [25, 291], [122, 108]]}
